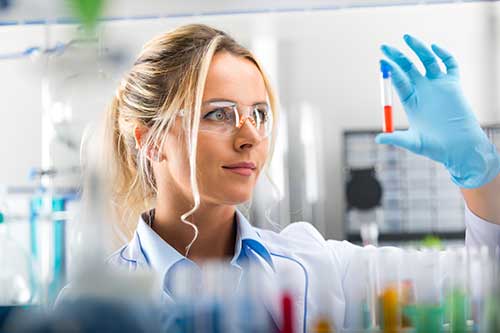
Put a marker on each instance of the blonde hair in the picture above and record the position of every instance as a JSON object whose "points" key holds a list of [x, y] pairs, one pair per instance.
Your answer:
{"points": [[168, 76]]}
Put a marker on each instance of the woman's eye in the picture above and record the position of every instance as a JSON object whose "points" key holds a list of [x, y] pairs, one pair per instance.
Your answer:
{"points": [[263, 114], [217, 115]]}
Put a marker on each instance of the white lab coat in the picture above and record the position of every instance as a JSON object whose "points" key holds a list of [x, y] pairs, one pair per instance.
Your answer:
{"points": [[299, 252]]}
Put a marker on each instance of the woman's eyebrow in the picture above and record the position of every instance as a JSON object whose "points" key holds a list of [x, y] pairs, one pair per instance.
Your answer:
{"points": [[214, 100]]}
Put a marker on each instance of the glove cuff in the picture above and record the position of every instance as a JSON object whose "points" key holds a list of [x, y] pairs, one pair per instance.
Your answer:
{"points": [[482, 167]]}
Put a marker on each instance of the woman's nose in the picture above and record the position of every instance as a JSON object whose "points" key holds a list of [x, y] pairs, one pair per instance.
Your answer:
{"points": [[247, 136]]}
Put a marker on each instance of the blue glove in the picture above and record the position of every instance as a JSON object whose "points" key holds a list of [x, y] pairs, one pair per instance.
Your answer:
{"points": [[442, 124]]}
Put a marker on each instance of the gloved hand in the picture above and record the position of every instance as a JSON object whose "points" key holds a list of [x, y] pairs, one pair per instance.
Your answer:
{"points": [[442, 124]]}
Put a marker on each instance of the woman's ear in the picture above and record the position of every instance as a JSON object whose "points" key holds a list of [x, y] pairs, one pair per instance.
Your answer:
{"points": [[152, 153], [139, 132]]}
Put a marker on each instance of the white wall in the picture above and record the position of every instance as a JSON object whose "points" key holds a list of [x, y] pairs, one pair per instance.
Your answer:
{"points": [[328, 59], [331, 60]]}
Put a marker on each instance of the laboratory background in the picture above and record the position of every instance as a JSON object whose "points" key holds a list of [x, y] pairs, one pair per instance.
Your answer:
{"points": [[62, 61]]}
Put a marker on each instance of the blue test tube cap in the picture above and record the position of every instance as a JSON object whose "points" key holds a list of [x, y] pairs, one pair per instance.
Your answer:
{"points": [[385, 68]]}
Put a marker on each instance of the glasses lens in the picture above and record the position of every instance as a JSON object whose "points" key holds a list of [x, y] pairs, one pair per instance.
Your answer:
{"points": [[224, 118], [218, 117], [263, 119]]}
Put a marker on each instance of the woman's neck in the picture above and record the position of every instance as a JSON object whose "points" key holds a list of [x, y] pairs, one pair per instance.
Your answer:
{"points": [[216, 227]]}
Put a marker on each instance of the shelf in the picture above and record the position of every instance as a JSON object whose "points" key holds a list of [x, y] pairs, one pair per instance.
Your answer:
{"points": [[410, 236], [23, 12]]}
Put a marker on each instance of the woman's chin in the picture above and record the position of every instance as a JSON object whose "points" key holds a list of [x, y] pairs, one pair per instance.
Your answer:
{"points": [[237, 198], [227, 194]]}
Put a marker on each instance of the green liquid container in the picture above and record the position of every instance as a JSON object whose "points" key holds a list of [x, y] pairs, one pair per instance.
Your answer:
{"points": [[456, 309], [425, 318]]}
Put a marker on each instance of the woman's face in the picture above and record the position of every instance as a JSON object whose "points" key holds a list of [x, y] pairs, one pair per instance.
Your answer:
{"points": [[220, 180]]}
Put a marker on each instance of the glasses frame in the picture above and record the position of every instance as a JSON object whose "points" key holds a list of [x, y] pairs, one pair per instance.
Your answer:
{"points": [[242, 113]]}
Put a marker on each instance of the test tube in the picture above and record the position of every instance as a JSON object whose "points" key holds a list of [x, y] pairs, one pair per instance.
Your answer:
{"points": [[214, 296], [457, 298], [389, 288], [408, 286], [490, 319], [185, 288], [322, 320], [258, 290], [386, 93], [426, 312], [288, 286], [370, 305], [361, 311], [287, 312], [481, 286]]}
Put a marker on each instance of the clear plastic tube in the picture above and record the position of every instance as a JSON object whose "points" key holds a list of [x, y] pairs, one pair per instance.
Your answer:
{"points": [[456, 293], [422, 308], [386, 94], [389, 288]]}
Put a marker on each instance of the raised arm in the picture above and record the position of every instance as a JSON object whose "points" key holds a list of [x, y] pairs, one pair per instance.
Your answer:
{"points": [[443, 126]]}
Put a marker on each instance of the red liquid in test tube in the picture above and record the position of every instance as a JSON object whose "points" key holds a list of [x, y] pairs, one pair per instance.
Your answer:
{"points": [[287, 312], [388, 125]]}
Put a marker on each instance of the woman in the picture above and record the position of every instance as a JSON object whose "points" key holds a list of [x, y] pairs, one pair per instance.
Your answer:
{"points": [[193, 125]]}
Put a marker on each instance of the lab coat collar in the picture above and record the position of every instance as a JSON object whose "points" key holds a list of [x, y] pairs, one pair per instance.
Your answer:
{"points": [[160, 255], [249, 245], [132, 254], [147, 248]]}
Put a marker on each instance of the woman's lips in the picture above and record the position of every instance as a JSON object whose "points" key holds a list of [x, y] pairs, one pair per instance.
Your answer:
{"points": [[241, 168], [240, 171]]}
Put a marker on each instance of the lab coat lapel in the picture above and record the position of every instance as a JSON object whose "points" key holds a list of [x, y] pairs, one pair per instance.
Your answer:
{"points": [[292, 276], [132, 255]]}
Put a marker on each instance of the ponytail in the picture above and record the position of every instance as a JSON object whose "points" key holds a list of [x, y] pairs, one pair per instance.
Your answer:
{"points": [[119, 163]]}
